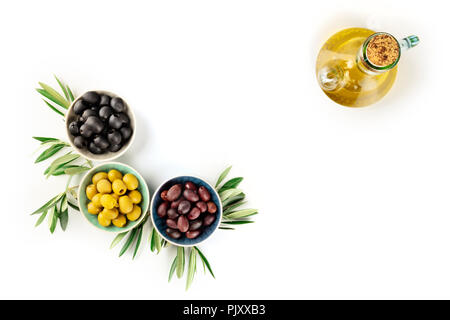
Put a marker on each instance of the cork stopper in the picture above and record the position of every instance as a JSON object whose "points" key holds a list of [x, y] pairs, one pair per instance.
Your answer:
{"points": [[382, 50]]}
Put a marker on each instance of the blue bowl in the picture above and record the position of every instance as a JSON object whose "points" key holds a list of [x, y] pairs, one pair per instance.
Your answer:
{"points": [[160, 223]]}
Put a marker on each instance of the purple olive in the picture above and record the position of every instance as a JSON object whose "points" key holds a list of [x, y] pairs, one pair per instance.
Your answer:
{"points": [[190, 186], [184, 207], [175, 204], [183, 224], [192, 234], [194, 213], [162, 209], [204, 194], [173, 233], [209, 219], [171, 223], [202, 206], [172, 213], [174, 192], [212, 208], [191, 195], [195, 225]]}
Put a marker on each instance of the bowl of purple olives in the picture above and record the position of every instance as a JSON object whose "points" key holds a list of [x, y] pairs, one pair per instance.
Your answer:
{"points": [[186, 210], [100, 125]]}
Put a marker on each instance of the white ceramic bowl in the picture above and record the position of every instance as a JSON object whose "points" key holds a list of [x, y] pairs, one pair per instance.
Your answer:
{"points": [[108, 155]]}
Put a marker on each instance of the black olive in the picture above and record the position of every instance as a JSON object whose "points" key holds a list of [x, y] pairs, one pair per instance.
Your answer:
{"points": [[79, 107], [114, 137], [114, 122], [91, 98], [85, 131], [86, 114], [126, 133], [105, 100], [79, 142], [73, 128], [95, 109], [105, 112], [117, 104], [115, 147], [124, 118], [94, 149], [101, 142], [95, 124]]}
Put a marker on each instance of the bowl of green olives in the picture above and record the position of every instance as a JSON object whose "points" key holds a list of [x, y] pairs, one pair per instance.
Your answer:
{"points": [[100, 125], [113, 197]]}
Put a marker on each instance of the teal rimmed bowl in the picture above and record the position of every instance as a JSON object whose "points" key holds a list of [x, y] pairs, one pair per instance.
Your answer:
{"points": [[87, 180]]}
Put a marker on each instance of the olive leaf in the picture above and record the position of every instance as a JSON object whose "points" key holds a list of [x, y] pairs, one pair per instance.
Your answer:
{"points": [[233, 200], [138, 241], [67, 158], [63, 88], [49, 152], [222, 176], [73, 170], [54, 108], [192, 267], [238, 222], [45, 139], [241, 214], [53, 219], [155, 241], [49, 204], [173, 268], [53, 95], [231, 207], [180, 261], [229, 193], [231, 184], [117, 239], [205, 261], [41, 218], [128, 242]]}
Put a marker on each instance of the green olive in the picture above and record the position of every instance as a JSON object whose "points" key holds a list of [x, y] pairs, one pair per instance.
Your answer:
{"points": [[99, 176], [120, 221], [114, 175], [104, 186], [135, 196], [92, 208], [110, 213], [130, 181], [103, 220], [119, 187], [91, 191], [134, 214], [96, 200], [108, 201], [125, 204]]}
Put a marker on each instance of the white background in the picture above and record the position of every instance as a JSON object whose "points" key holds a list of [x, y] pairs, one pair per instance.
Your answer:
{"points": [[353, 202]]}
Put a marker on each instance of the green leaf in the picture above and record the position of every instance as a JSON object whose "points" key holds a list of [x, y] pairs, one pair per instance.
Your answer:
{"points": [[237, 222], [41, 218], [205, 261], [223, 176], [59, 168], [180, 261], [54, 108], [73, 206], [63, 88], [241, 214], [53, 219], [231, 184], [117, 239], [44, 139], [229, 194], [192, 268], [49, 152], [70, 94], [138, 241], [231, 207], [64, 219], [68, 157], [233, 200], [226, 228], [48, 204], [173, 268], [155, 242], [53, 95], [128, 242], [74, 170]]}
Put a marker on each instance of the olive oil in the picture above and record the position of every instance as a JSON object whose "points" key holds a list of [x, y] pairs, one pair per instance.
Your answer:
{"points": [[356, 67]]}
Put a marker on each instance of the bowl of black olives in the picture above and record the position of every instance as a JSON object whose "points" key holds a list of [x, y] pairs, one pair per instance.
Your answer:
{"points": [[100, 125]]}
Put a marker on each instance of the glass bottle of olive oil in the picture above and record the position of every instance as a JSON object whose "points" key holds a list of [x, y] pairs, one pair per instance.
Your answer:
{"points": [[356, 67]]}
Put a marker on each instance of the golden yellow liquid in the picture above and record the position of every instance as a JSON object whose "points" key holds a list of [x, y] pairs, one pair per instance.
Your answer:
{"points": [[359, 89]]}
